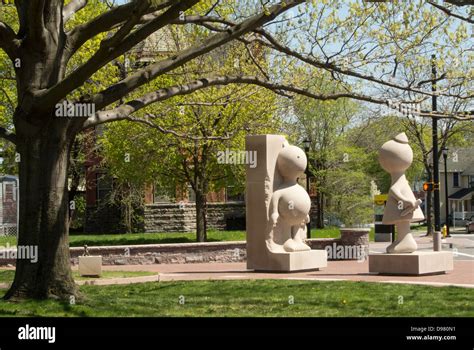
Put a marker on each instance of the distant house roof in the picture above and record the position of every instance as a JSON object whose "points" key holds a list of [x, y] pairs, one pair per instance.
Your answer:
{"points": [[462, 194], [459, 160], [8, 178]]}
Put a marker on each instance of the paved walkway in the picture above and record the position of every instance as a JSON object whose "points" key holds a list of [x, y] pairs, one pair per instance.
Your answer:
{"points": [[462, 275], [462, 245]]}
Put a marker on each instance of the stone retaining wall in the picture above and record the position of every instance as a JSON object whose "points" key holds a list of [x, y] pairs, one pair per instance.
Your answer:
{"points": [[104, 219], [353, 244], [173, 217], [222, 252], [180, 253]]}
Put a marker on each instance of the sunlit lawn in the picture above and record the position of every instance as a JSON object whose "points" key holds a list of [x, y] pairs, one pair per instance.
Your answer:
{"points": [[6, 276], [256, 298], [168, 237]]}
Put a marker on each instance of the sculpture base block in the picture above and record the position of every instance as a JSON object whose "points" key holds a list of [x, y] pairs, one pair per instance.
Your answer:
{"points": [[295, 261], [417, 263], [90, 265]]}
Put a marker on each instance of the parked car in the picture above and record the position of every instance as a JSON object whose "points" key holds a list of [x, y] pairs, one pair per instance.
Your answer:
{"points": [[470, 227]]}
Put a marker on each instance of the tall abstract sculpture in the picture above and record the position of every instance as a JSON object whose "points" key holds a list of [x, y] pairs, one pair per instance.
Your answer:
{"points": [[402, 208], [278, 208]]}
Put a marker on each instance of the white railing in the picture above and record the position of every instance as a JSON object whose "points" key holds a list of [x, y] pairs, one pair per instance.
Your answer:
{"points": [[8, 229], [463, 215]]}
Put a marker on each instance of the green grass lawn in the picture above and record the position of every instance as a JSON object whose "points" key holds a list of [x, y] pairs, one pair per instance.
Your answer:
{"points": [[6, 276], [169, 237], [256, 298]]}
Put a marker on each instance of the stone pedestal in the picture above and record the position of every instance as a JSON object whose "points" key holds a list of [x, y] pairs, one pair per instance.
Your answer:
{"points": [[416, 263], [90, 265], [294, 261]]}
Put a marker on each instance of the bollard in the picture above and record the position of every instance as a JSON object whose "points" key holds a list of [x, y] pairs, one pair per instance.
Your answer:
{"points": [[437, 241]]}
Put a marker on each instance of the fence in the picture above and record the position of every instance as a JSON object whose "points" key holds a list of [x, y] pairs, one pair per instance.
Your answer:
{"points": [[9, 201]]}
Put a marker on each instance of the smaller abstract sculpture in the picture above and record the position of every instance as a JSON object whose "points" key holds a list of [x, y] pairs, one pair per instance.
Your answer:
{"points": [[290, 203], [402, 208]]}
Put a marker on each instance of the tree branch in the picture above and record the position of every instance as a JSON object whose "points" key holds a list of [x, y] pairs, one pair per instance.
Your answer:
{"points": [[7, 135], [125, 110], [7, 41], [105, 22], [147, 120], [123, 87], [460, 2], [108, 51], [70, 9], [34, 17], [448, 12], [331, 67], [273, 44]]}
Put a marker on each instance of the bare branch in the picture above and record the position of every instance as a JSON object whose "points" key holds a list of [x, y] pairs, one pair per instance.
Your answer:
{"points": [[448, 12], [74, 6], [7, 135], [273, 44], [331, 67], [147, 120], [7, 96], [460, 2]]}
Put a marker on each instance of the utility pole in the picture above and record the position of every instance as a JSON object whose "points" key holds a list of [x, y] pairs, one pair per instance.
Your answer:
{"points": [[436, 205], [306, 144]]}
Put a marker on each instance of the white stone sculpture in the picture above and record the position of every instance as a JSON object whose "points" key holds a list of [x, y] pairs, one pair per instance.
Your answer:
{"points": [[402, 208], [278, 208], [290, 203]]}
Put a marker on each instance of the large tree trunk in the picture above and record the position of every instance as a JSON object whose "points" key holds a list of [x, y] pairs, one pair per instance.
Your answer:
{"points": [[43, 220]]}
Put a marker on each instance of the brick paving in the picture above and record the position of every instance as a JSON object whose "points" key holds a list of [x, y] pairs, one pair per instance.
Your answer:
{"points": [[462, 275]]}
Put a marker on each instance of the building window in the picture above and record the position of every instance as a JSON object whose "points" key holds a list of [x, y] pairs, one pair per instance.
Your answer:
{"points": [[159, 196], [9, 193], [456, 179], [104, 185], [471, 181]]}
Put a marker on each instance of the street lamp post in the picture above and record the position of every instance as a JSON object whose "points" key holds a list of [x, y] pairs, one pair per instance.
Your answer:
{"points": [[446, 204], [306, 144]]}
